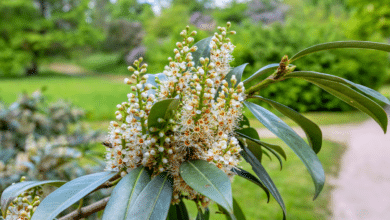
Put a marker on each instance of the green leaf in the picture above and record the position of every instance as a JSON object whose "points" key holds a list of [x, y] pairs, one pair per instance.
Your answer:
{"points": [[271, 147], [354, 99], [178, 212], [208, 180], [264, 70], [237, 210], [312, 131], [251, 132], [275, 148], [248, 176], [341, 44], [154, 201], [267, 154], [162, 109], [236, 71], [244, 122], [238, 213], [125, 194], [316, 75], [265, 178], [13, 191], [202, 51], [292, 139], [255, 145], [70, 193], [203, 216]]}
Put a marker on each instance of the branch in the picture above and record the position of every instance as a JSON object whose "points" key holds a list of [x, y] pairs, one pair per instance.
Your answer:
{"points": [[111, 182], [87, 210]]}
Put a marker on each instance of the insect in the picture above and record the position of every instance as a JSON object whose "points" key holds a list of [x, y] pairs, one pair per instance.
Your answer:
{"points": [[107, 144]]}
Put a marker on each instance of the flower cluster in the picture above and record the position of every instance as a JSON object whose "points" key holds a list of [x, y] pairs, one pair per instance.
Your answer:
{"points": [[201, 125], [24, 206]]}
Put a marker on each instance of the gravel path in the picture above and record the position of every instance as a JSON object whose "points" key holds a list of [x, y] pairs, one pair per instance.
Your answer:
{"points": [[362, 188]]}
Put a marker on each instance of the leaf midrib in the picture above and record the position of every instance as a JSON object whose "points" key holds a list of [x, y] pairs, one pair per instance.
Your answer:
{"points": [[210, 183], [75, 195], [132, 192], [158, 195]]}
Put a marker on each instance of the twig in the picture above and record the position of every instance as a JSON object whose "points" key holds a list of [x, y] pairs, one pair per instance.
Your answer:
{"points": [[87, 210]]}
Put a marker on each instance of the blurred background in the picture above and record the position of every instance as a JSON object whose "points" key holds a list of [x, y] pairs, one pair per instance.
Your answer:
{"points": [[75, 53]]}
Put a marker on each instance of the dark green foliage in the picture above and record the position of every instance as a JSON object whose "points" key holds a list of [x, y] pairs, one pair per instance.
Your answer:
{"points": [[31, 30], [260, 46], [68, 194]]}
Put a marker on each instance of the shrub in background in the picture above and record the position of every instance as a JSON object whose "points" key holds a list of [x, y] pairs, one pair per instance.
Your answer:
{"points": [[260, 45], [181, 135], [43, 140]]}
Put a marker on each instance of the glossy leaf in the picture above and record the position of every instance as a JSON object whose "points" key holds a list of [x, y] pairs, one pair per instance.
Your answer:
{"points": [[312, 131], [203, 216], [275, 148], [354, 99], [236, 71], [154, 201], [238, 211], [178, 212], [248, 176], [244, 123], [251, 132], [271, 147], [255, 145], [68, 194], [162, 109], [264, 70], [202, 51], [13, 191], [292, 139], [316, 75], [125, 194], [341, 44], [265, 178], [267, 154], [208, 180]]}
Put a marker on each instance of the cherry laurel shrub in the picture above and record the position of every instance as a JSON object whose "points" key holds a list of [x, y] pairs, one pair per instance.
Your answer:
{"points": [[42, 140], [181, 135]]}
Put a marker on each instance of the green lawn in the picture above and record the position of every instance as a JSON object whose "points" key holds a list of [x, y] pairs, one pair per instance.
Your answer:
{"points": [[96, 94], [294, 184]]}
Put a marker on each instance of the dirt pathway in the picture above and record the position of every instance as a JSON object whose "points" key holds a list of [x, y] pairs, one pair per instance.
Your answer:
{"points": [[363, 186], [362, 189]]}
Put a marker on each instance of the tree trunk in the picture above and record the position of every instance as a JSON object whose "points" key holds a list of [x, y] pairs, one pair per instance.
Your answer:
{"points": [[33, 69]]}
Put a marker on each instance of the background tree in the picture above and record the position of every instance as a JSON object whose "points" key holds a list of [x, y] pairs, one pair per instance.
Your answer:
{"points": [[33, 29]]}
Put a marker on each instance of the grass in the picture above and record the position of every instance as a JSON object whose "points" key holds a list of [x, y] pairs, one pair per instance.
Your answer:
{"points": [[104, 63], [385, 90], [294, 184], [97, 95]]}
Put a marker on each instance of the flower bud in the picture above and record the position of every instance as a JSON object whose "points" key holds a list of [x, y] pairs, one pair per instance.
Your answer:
{"points": [[228, 24], [130, 68]]}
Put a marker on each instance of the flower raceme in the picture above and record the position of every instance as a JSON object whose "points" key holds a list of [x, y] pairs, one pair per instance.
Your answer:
{"points": [[201, 126], [182, 130]]}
